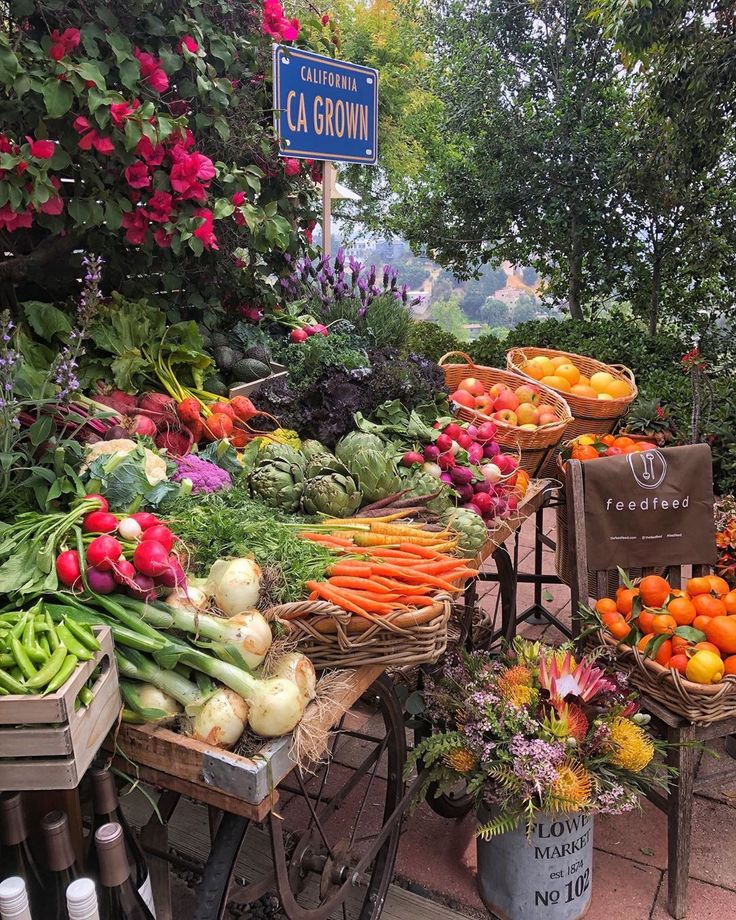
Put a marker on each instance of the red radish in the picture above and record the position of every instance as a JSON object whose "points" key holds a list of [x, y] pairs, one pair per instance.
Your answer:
{"points": [[143, 587], [484, 501], [462, 476], [443, 443], [157, 404], [174, 576], [431, 453], [142, 425], [464, 440], [475, 454], [446, 478], [472, 431], [471, 506], [223, 408], [298, 335], [68, 568], [466, 493], [123, 572], [243, 408], [491, 473], [151, 558], [161, 534], [104, 505], [506, 463], [145, 519], [129, 529], [103, 552], [320, 329], [486, 432], [189, 410], [100, 581], [484, 485], [446, 461], [412, 458], [491, 450], [99, 522], [453, 431]]}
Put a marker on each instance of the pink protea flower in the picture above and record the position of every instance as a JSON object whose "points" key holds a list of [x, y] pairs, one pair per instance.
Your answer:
{"points": [[568, 679]]}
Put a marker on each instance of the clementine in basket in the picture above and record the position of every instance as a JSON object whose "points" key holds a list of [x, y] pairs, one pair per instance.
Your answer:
{"points": [[654, 590], [643, 643], [663, 623], [730, 601], [729, 664], [625, 599], [708, 606], [617, 626], [606, 605], [617, 388], [664, 653], [678, 663], [559, 360], [707, 647], [541, 365], [718, 585], [721, 631], [582, 389], [569, 372], [609, 439], [680, 644], [700, 623], [644, 621], [682, 610], [556, 382], [623, 441], [584, 452], [699, 585]]}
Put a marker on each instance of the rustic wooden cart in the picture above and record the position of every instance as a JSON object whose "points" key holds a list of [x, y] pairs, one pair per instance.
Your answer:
{"points": [[333, 833]]}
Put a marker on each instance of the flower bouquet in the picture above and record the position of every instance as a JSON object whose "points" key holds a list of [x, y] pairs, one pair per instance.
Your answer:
{"points": [[536, 732]]}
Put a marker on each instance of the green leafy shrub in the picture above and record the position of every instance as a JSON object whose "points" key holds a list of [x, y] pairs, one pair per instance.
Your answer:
{"points": [[429, 340]]}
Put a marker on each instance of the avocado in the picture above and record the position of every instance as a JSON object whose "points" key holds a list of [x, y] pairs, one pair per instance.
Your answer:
{"points": [[225, 357], [216, 385], [259, 352], [219, 339], [249, 369]]}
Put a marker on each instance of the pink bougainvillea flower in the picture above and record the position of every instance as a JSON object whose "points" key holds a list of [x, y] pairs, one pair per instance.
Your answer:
{"points": [[178, 107], [205, 231], [5, 145], [41, 150], [160, 206], [54, 205], [21, 167], [152, 71], [137, 175], [120, 112], [275, 24], [81, 124], [135, 224], [238, 199], [181, 137], [94, 140], [186, 41], [11, 220], [63, 43], [162, 238], [292, 167], [150, 154], [190, 174]]}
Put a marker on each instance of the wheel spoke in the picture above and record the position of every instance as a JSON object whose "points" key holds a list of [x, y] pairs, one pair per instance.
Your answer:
{"points": [[381, 749], [315, 818]]}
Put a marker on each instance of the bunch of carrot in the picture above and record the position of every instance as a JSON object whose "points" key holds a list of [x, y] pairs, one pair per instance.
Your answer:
{"points": [[389, 531]]}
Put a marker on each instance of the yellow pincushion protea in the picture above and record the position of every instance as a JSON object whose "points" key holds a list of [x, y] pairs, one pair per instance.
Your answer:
{"points": [[572, 789], [633, 748], [461, 760], [514, 686]]}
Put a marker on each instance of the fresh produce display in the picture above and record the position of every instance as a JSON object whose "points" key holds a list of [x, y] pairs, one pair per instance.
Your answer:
{"points": [[523, 407], [692, 631], [648, 418], [561, 373], [593, 446]]}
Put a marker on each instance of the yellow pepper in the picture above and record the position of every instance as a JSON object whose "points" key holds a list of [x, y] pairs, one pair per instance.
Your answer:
{"points": [[705, 667]]}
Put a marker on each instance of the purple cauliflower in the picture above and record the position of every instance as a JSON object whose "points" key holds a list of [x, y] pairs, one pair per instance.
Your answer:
{"points": [[204, 475]]}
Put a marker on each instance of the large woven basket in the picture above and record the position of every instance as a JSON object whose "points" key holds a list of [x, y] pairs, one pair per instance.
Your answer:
{"points": [[699, 703], [536, 446], [594, 416], [332, 638]]}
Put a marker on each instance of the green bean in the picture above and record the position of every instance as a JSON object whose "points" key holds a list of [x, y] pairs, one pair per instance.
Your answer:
{"points": [[22, 660], [53, 638], [72, 643], [48, 671], [83, 633], [10, 683], [65, 672], [85, 696]]}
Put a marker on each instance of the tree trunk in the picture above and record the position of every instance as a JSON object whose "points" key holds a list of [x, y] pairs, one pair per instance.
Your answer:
{"points": [[576, 277], [654, 295]]}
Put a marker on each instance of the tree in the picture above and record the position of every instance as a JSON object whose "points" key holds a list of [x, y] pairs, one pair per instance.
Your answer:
{"points": [[525, 308], [495, 312], [529, 165], [529, 276], [477, 290], [448, 316]]}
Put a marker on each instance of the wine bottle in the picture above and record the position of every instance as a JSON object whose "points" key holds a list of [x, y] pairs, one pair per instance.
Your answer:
{"points": [[107, 811], [60, 861], [81, 900], [16, 858], [14, 899], [120, 899]]}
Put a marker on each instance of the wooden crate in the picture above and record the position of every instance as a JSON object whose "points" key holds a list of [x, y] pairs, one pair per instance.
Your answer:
{"points": [[245, 389], [45, 743]]}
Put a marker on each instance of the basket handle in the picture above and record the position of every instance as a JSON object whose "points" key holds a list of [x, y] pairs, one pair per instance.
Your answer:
{"points": [[450, 354], [626, 371]]}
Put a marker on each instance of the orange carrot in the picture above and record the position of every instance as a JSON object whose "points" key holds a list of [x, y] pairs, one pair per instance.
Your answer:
{"points": [[358, 584], [328, 539], [336, 597], [405, 574], [352, 569], [367, 603], [415, 550], [406, 589]]}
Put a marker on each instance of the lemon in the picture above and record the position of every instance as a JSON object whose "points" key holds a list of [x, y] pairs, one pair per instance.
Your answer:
{"points": [[604, 396], [585, 440], [600, 381], [705, 667]]}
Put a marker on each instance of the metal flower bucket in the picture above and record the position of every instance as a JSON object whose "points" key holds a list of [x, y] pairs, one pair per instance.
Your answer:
{"points": [[544, 877]]}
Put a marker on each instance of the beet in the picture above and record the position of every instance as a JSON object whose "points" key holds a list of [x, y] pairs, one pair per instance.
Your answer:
{"points": [[157, 405], [142, 425], [124, 403], [116, 433], [177, 443]]}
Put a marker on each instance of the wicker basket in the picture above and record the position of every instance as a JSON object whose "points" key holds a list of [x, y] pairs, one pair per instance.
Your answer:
{"points": [[332, 638], [536, 447], [699, 703], [594, 416]]}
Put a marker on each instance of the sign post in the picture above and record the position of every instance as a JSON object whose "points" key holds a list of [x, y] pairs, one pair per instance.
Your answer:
{"points": [[325, 109]]}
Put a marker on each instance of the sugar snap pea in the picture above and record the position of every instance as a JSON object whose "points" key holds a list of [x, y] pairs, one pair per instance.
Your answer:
{"points": [[72, 644], [83, 633], [21, 659], [17, 630], [49, 671], [45, 646], [29, 633], [10, 683], [63, 674], [85, 696], [52, 637]]}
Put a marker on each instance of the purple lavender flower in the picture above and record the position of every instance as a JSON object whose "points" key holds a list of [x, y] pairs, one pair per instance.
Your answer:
{"points": [[386, 276], [339, 259]]}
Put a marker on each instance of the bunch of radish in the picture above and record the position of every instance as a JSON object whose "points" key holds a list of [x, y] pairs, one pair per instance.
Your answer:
{"points": [[469, 460], [134, 553]]}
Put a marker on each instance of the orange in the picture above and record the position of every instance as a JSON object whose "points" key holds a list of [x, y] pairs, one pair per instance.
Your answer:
{"points": [[680, 644], [569, 372], [678, 663], [632, 448], [708, 606], [584, 452], [619, 628], [730, 601], [718, 585], [623, 442], [700, 623], [600, 381], [644, 642], [654, 590], [617, 388], [606, 605], [556, 382], [699, 585], [644, 621], [682, 610], [533, 370], [730, 664], [560, 359], [608, 440], [721, 631], [625, 599], [581, 389], [707, 647], [663, 623], [610, 616], [664, 653], [544, 363]]}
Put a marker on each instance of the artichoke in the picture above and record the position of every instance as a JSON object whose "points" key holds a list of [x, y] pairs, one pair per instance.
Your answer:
{"points": [[282, 452], [348, 446], [376, 473], [420, 483], [319, 458], [312, 449], [469, 527], [333, 493], [278, 483]]}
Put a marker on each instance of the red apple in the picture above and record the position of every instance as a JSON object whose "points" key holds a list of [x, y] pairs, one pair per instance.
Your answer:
{"points": [[484, 404], [507, 400], [496, 390], [527, 414], [463, 398], [528, 393], [547, 418], [529, 426], [472, 385], [612, 451], [505, 417], [546, 407]]}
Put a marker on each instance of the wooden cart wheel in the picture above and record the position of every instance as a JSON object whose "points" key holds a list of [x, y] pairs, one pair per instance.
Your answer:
{"points": [[330, 823]]}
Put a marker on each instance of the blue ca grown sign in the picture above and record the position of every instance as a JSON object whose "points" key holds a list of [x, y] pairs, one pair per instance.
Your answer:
{"points": [[324, 109]]}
